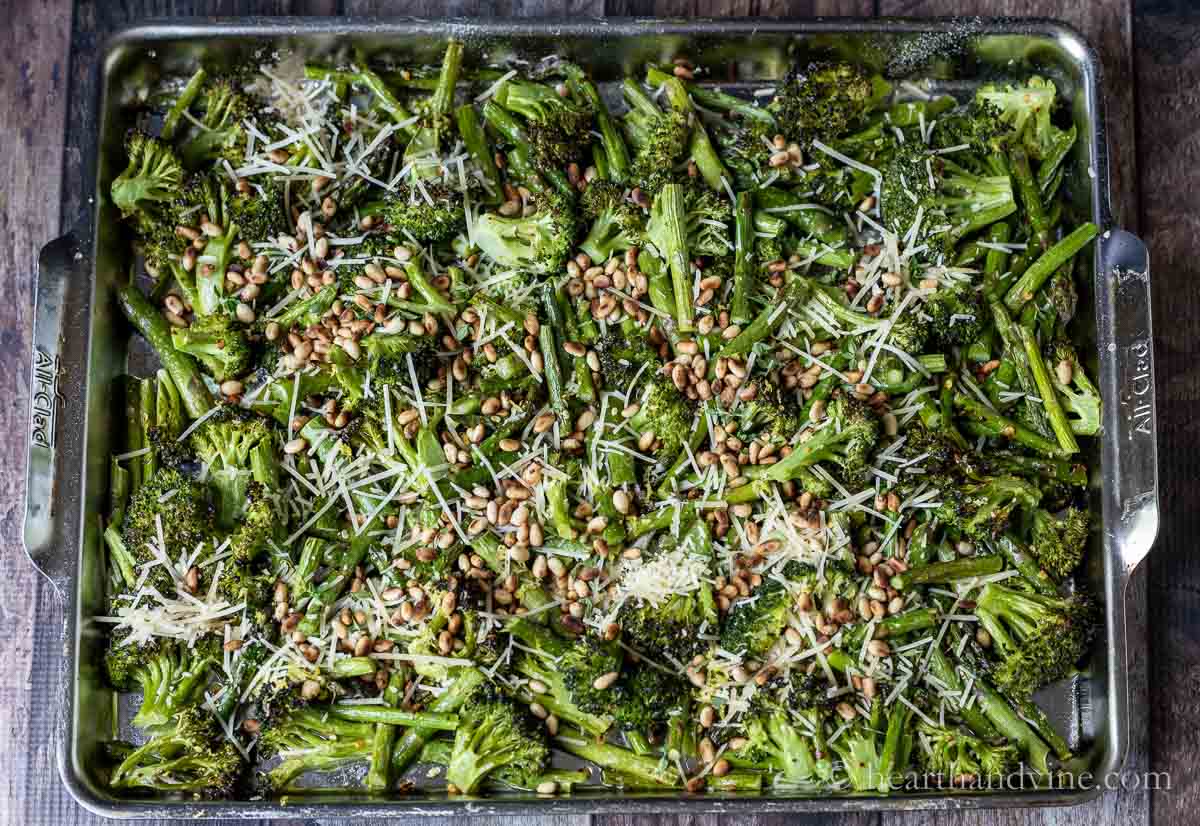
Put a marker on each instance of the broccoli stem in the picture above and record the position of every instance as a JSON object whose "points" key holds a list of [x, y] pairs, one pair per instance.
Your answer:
{"points": [[154, 328], [1019, 556], [379, 777], [1045, 387], [694, 441], [353, 667], [735, 782], [990, 423], [1031, 195], [995, 260], [1049, 261], [1037, 718], [638, 742], [700, 147], [723, 102], [135, 430], [475, 141], [449, 702], [442, 100], [662, 295], [768, 320], [1010, 724], [182, 103], [1059, 470], [387, 715], [669, 209], [1018, 356], [617, 759], [615, 151], [743, 259], [939, 572], [920, 546], [809, 218], [168, 416], [431, 294], [519, 163], [943, 671], [895, 747], [1046, 175], [387, 99], [550, 349], [148, 410]]}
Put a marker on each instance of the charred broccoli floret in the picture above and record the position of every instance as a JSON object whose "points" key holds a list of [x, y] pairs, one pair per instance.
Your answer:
{"points": [[496, 737], [539, 242]]}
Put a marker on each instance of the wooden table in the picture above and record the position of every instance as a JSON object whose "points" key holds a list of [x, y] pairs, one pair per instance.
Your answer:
{"points": [[1151, 54]]}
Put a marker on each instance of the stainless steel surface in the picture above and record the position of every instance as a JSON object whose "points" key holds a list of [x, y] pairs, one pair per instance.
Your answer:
{"points": [[81, 345]]}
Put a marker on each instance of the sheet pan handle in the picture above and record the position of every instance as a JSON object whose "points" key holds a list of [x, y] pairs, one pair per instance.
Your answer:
{"points": [[59, 263], [1128, 385]]}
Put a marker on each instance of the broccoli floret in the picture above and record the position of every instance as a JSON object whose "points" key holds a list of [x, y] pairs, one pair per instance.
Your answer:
{"points": [[581, 664], [221, 132], [669, 627], [558, 127], [210, 192], [753, 625], [788, 742], [189, 756], [646, 698], [667, 232], [957, 316], [705, 210], [833, 581], [960, 757], [868, 758], [844, 445], [259, 213], [496, 737], [1039, 638], [587, 663], [177, 506], [983, 510], [977, 126], [1021, 106], [539, 242], [907, 333], [310, 739], [659, 139], [170, 675], [428, 214], [822, 100], [623, 352], [666, 413], [227, 442], [217, 343], [1059, 541], [773, 413], [1078, 395], [746, 148], [151, 180], [948, 200], [616, 224]]}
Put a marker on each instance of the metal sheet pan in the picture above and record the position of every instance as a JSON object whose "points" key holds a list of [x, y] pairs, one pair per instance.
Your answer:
{"points": [[81, 345]]}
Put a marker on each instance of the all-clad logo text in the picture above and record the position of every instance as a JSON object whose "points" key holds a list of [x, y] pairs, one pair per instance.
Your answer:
{"points": [[44, 408], [1141, 388]]}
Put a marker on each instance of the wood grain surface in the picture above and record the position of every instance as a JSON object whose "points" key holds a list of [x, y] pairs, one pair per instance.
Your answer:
{"points": [[1151, 55]]}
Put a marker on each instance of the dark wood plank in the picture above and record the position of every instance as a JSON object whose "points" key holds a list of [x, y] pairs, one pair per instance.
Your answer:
{"points": [[1108, 27], [33, 98], [740, 8], [1167, 51], [477, 8]]}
